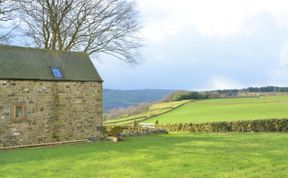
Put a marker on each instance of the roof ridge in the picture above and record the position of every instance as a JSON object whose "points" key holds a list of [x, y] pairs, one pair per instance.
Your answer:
{"points": [[40, 49]]}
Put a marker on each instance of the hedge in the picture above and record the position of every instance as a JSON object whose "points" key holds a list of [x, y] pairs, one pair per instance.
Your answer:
{"points": [[271, 125]]}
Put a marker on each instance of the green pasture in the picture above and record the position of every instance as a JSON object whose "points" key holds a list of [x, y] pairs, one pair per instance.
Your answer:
{"points": [[175, 155], [213, 110], [153, 110]]}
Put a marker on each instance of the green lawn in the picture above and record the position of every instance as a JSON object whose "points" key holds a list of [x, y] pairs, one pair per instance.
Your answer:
{"points": [[175, 155], [227, 109]]}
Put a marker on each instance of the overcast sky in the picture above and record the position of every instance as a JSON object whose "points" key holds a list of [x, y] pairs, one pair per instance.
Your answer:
{"points": [[207, 44]]}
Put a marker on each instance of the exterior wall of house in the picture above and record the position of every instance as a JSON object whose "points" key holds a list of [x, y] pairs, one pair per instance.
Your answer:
{"points": [[55, 111]]}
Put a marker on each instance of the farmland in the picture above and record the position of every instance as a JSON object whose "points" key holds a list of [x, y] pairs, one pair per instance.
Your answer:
{"points": [[153, 110], [173, 155], [231, 109]]}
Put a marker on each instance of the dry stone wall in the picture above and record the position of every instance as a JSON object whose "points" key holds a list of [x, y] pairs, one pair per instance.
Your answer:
{"points": [[55, 111]]}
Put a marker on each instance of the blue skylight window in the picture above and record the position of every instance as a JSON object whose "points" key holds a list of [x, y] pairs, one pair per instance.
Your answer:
{"points": [[56, 72]]}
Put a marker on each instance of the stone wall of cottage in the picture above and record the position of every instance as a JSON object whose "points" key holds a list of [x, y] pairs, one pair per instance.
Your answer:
{"points": [[55, 111]]}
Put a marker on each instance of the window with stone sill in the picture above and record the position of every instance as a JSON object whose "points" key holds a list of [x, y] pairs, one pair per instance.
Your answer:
{"points": [[18, 111]]}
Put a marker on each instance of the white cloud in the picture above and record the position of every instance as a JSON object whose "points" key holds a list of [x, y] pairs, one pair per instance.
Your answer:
{"points": [[284, 54], [154, 34], [184, 46], [220, 82], [221, 18], [278, 76]]}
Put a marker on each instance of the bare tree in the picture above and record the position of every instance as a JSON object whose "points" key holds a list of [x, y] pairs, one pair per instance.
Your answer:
{"points": [[92, 26], [6, 9]]}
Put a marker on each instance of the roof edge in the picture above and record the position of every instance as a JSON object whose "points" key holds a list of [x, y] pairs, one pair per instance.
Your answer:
{"points": [[47, 80], [40, 49]]}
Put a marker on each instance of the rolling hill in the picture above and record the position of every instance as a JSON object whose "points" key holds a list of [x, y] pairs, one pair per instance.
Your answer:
{"points": [[124, 98], [211, 110], [214, 110]]}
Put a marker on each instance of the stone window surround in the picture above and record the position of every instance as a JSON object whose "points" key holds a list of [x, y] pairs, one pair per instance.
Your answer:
{"points": [[13, 111]]}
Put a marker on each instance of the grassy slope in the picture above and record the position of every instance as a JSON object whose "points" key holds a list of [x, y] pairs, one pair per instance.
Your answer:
{"points": [[228, 109], [154, 109], [175, 155]]}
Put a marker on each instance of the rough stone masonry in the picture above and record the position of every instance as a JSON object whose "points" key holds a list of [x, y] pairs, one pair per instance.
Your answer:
{"points": [[39, 105], [55, 111]]}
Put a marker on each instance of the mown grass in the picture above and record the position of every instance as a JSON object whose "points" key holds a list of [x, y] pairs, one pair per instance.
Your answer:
{"points": [[214, 110], [175, 155]]}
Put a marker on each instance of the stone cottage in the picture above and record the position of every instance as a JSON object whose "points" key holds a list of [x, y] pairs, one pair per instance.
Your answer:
{"points": [[48, 96]]}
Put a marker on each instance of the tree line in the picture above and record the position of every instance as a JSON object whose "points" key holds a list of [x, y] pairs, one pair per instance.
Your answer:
{"points": [[184, 95]]}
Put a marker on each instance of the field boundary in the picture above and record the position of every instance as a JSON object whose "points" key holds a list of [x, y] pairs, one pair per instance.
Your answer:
{"points": [[117, 122], [138, 119], [167, 111], [267, 125]]}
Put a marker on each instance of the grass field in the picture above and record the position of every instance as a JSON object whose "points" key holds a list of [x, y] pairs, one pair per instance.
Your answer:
{"points": [[175, 155], [227, 110], [153, 110]]}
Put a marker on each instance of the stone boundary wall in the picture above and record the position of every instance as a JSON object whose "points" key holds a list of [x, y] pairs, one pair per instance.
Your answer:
{"points": [[54, 111], [266, 125]]}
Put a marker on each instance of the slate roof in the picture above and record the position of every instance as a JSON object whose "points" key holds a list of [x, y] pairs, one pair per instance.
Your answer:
{"points": [[35, 64]]}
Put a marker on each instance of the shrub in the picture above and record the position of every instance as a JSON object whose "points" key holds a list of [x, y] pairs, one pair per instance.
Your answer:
{"points": [[156, 122], [186, 95], [113, 131]]}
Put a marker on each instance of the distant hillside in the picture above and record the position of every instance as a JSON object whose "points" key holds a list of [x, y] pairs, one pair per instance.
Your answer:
{"points": [[123, 98]]}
